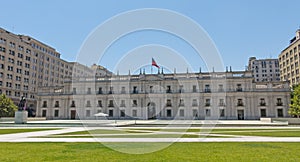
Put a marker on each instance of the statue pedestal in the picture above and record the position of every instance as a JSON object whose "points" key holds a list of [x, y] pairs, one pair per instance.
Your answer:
{"points": [[21, 117]]}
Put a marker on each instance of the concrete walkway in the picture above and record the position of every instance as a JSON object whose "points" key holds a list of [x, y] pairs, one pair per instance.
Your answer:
{"points": [[41, 136], [148, 122]]}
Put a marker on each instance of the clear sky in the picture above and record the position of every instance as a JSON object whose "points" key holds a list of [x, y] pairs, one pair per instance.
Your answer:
{"points": [[239, 28]]}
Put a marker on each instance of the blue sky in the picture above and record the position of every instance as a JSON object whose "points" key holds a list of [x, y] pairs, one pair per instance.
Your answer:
{"points": [[239, 29]]}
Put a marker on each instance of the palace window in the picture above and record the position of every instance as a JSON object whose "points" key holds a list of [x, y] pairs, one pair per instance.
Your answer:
{"points": [[134, 113], [169, 113], [135, 89], [88, 113], [111, 103], [221, 89], [240, 102], [207, 102], [194, 88], [56, 113], [122, 113], [169, 89], [262, 102], [111, 90], [110, 113], [44, 104], [151, 89], [100, 90], [207, 88], [88, 103], [239, 88], [195, 113], [279, 112], [56, 104], [181, 102], [263, 113], [221, 102], [169, 104], [279, 102], [181, 89], [134, 103], [99, 103], [89, 91], [194, 102], [181, 113], [222, 112], [122, 103], [73, 104], [207, 112], [44, 113], [123, 90]]}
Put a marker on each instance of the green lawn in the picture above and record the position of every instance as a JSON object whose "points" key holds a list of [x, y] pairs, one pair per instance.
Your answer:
{"points": [[143, 133], [269, 133], [176, 152], [146, 133], [10, 131]]}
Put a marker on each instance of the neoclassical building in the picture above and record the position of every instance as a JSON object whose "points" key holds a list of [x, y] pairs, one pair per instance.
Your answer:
{"points": [[203, 95]]}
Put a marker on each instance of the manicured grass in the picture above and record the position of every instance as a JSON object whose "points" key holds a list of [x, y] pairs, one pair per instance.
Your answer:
{"points": [[10, 131], [269, 133], [244, 132], [176, 152], [134, 130], [144, 133]]}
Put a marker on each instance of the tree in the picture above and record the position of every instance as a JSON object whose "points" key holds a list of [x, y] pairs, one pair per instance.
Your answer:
{"points": [[7, 107], [295, 102]]}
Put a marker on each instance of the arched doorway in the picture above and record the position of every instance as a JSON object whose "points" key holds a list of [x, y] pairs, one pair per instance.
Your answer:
{"points": [[151, 110]]}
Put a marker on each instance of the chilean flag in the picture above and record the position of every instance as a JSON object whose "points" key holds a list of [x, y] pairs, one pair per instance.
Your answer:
{"points": [[154, 63]]}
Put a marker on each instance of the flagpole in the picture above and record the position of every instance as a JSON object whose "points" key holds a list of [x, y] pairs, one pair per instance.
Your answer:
{"points": [[151, 69]]}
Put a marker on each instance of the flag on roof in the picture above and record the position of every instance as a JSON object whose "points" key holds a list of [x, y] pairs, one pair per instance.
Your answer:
{"points": [[154, 63]]}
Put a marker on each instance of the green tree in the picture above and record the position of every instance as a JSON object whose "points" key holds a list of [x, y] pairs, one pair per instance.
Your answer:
{"points": [[295, 102], [7, 107]]}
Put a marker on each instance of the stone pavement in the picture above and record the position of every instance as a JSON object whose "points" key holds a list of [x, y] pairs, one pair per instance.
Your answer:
{"points": [[41, 136], [150, 122]]}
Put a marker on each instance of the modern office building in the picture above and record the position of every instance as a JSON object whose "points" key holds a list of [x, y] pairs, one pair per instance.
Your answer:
{"points": [[26, 64], [264, 70], [289, 60], [217, 95]]}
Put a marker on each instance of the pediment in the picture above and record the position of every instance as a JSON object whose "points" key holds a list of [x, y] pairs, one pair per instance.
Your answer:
{"points": [[152, 78]]}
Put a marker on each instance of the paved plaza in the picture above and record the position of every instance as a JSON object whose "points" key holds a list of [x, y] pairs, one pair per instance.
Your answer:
{"points": [[61, 127]]}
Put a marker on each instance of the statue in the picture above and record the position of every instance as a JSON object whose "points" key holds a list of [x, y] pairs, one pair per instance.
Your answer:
{"points": [[21, 115], [22, 104]]}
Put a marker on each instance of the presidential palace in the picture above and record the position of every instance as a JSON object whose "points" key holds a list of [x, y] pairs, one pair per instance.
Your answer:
{"points": [[202, 95]]}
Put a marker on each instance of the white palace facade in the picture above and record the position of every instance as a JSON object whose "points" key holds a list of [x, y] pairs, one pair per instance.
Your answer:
{"points": [[203, 95]]}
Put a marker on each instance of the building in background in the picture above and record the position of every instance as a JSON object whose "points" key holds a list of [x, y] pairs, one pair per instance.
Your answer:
{"points": [[264, 70], [289, 60], [99, 70], [27, 64]]}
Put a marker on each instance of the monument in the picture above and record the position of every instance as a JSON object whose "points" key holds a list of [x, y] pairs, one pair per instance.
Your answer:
{"points": [[21, 114]]}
